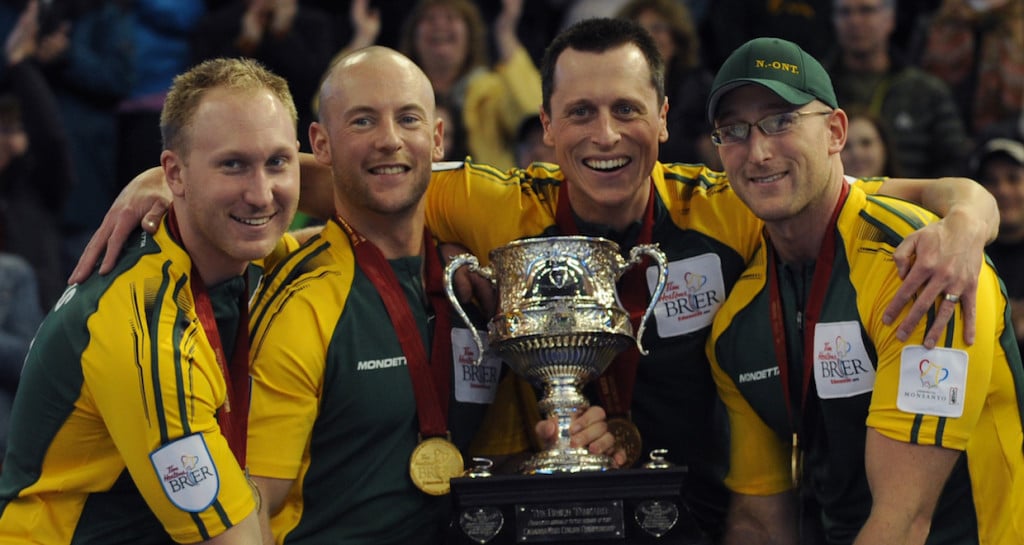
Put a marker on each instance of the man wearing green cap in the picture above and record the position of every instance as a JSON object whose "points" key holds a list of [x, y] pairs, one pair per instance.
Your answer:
{"points": [[940, 459]]}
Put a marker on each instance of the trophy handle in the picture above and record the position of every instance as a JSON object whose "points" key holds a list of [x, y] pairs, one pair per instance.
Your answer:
{"points": [[449, 280], [635, 256]]}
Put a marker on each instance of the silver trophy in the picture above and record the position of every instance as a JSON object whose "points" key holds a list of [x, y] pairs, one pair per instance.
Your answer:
{"points": [[560, 323]]}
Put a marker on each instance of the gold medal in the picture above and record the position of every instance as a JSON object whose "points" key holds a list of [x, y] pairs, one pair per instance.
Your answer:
{"points": [[627, 437], [433, 464], [796, 462]]}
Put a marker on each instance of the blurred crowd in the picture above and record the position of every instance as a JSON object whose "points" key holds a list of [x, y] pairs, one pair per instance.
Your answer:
{"points": [[929, 86]]}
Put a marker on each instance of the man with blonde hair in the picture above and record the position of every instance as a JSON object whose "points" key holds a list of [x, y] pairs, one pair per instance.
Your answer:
{"points": [[130, 420]]}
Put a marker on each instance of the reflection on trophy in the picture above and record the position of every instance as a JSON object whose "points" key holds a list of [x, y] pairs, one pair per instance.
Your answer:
{"points": [[560, 324]]}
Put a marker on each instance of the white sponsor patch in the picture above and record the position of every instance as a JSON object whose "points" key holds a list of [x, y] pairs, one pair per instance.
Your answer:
{"points": [[187, 473], [693, 293], [473, 383], [932, 381], [842, 367]]}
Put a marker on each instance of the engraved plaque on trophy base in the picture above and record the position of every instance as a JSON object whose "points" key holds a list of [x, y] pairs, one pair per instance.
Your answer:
{"points": [[624, 506]]}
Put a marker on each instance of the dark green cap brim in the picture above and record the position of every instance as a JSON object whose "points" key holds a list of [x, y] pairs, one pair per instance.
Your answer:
{"points": [[785, 92]]}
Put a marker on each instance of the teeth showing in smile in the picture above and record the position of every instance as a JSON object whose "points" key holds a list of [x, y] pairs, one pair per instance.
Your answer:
{"points": [[767, 179], [254, 221], [388, 170], [607, 164]]}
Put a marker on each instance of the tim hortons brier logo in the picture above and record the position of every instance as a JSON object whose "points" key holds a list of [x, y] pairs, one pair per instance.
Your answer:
{"points": [[187, 473]]}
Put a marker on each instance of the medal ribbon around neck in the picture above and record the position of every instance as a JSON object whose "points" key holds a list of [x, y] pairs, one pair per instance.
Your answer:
{"points": [[431, 379], [812, 313], [233, 417], [615, 385]]}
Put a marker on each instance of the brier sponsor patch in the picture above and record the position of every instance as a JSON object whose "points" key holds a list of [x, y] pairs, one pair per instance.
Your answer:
{"points": [[693, 293], [842, 367], [473, 383], [187, 473]]}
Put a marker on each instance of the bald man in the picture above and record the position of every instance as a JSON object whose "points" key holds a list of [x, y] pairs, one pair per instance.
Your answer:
{"points": [[360, 412]]}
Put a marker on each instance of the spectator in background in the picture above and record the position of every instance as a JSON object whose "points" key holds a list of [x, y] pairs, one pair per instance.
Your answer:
{"points": [[20, 315], [998, 164], [292, 40], [868, 153], [161, 30], [687, 82], [928, 137], [32, 189], [977, 48], [35, 165], [85, 53], [730, 23], [447, 39], [530, 145]]}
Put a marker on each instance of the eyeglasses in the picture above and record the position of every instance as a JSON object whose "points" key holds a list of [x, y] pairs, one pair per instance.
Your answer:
{"points": [[770, 126]]}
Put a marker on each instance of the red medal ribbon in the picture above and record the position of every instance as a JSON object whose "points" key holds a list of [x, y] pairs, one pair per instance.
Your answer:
{"points": [[812, 313], [431, 379], [615, 385], [233, 416]]}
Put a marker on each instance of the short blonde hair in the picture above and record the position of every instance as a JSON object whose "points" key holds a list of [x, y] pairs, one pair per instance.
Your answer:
{"points": [[189, 88]]}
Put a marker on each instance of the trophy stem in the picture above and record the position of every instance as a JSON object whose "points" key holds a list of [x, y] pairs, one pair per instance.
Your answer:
{"points": [[563, 400]]}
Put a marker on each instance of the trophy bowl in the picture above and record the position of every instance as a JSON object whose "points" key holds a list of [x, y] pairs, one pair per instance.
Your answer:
{"points": [[560, 324]]}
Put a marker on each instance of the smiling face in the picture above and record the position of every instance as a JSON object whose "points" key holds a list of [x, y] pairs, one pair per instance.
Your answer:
{"points": [[605, 123], [864, 153], [379, 133], [442, 37], [235, 181], [654, 23], [1004, 178], [786, 176]]}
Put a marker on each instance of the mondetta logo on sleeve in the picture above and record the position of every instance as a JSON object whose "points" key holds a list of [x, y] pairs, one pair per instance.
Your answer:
{"points": [[842, 367]]}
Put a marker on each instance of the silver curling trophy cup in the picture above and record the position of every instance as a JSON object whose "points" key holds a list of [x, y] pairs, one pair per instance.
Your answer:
{"points": [[560, 323]]}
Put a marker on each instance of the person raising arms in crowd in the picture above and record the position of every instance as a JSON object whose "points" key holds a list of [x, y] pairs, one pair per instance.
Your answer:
{"points": [[448, 40]]}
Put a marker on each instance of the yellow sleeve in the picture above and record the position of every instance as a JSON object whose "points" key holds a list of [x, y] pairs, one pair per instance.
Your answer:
{"points": [[495, 103], [953, 433], [167, 434], [482, 208], [509, 422], [290, 338]]}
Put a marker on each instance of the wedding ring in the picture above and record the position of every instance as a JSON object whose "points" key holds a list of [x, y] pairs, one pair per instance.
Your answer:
{"points": [[951, 298]]}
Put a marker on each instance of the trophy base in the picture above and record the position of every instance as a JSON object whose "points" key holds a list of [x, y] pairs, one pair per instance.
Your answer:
{"points": [[568, 460], [617, 507]]}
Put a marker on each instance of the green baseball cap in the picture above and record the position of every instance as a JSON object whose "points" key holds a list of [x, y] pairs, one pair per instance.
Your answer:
{"points": [[777, 64]]}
